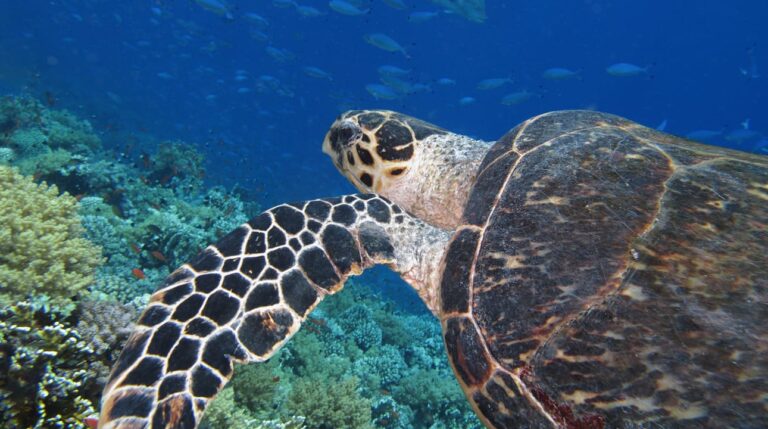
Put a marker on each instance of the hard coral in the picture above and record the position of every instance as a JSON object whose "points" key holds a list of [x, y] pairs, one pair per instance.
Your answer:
{"points": [[29, 127], [330, 404], [45, 370], [42, 252]]}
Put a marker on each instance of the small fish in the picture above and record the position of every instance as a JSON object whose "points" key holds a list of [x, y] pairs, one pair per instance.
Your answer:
{"points": [[158, 255], [138, 273], [446, 81], [136, 249], [91, 422], [165, 75], [761, 146], [243, 90], [745, 124], [346, 8], [704, 135], [258, 36], [284, 4], [316, 73], [318, 321], [742, 134], [381, 92], [308, 11], [400, 86], [493, 83], [396, 4], [750, 72], [516, 97], [419, 17], [559, 73], [280, 54], [626, 70], [387, 70], [382, 41], [466, 101], [257, 20], [216, 6]]}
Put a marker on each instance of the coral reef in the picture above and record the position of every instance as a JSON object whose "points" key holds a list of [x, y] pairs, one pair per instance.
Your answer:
{"points": [[330, 403], [360, 361], [42, 252], [28, 127], [72, 312], [45, 373]]}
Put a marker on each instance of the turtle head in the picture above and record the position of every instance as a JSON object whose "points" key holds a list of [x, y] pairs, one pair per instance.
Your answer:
{"points": [[372, 148], [419, 166]]}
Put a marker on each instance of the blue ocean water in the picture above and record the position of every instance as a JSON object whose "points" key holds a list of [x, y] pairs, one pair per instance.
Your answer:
{"points": [[178, 70], [254, 85]]}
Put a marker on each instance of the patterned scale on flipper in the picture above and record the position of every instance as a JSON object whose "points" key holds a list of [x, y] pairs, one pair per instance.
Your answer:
{"points": [[239, 301]]}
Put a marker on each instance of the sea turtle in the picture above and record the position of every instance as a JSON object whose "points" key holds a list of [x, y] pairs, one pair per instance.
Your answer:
{"points": [[587, 272]]}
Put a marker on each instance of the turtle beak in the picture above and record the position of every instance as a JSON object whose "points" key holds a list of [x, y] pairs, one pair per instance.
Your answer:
{"points": [[342, 135]]}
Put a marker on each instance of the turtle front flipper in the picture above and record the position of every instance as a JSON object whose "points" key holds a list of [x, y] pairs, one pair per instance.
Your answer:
{"points": [[241, 299]]}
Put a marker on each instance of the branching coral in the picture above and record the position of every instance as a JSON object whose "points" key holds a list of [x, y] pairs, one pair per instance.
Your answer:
{"points": [[255, 387], [30, 128], [42, 252], [224, 413], [45, 373], [330, 404], [106, 325], [358, 322]]}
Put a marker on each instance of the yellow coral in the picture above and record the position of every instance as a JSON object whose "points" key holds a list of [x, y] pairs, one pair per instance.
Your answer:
{"points": [[42, 251]]}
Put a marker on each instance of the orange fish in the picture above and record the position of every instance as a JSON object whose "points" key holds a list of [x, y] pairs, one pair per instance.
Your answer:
{"points": [[135, 248], [138, 273], [159, 256]]}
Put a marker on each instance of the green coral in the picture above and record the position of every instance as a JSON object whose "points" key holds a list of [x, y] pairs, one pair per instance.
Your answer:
{"points": [[42, 252], [255, 387], [45, 376], [329, 403], [31, 129], [225, 413], [46, 163]]}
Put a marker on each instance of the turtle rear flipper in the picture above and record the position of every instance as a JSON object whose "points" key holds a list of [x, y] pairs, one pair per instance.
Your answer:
{"points": [[243, 298]]}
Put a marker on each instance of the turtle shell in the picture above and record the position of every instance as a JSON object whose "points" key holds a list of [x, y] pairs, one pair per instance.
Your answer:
{"points": [[609, 275]]}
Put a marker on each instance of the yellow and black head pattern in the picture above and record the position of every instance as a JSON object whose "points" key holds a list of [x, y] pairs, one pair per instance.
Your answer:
{"points": [[374, 148]]}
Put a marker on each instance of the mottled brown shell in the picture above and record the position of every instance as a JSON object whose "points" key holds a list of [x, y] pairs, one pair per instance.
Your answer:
{"points": [[609, 275]]}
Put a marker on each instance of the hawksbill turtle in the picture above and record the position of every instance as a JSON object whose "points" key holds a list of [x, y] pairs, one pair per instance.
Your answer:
{"points": [[587, 271]]}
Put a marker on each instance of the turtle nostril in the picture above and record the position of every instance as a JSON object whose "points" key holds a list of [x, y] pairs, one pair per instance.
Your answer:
{"points": [[344, 134]]}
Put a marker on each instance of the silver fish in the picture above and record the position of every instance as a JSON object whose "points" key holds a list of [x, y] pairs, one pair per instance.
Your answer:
{"points": [[493, 83], [316, 72], [257, 20], [419, 17], [346, 8], [382, 41], [387, 70], [559, 73], [516, 97], [216, 6], [626, 70], [381, 92]]}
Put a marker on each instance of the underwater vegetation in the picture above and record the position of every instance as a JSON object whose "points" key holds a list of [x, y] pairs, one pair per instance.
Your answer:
{"points": [[84, 238]]}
